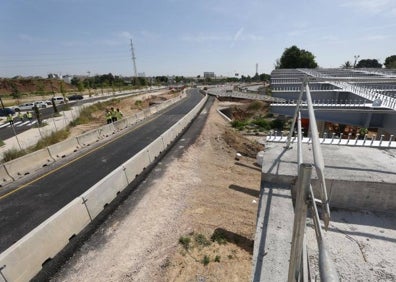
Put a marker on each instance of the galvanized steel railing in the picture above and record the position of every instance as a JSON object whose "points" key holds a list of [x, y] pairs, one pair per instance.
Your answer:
{"points": [[305, 199]]}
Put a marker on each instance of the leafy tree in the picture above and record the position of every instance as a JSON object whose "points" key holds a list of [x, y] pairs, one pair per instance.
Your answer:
{"points": [[368, 63], [80, 86], [294, 57], [15, 93], [347, 65], [264, 77], [390, 62]]}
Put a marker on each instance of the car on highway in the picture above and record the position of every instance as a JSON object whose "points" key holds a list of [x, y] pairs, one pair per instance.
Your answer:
{"points": [[6, 111], [41, 104], [24, 107], [59, 100], [75, 97]]}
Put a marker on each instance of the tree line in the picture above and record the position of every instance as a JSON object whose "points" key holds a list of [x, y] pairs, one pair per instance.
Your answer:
{"points": [[294, 57]]}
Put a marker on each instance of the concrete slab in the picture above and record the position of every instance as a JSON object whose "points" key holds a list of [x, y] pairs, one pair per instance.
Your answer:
{"points": [[341, 162], [273, 233]]}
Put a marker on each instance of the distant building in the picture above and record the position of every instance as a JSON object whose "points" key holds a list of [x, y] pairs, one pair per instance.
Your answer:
{"points": [[53, 75], [209, 75], [67, 78]]}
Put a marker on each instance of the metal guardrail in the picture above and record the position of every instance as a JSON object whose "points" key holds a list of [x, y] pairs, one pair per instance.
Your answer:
{"points": [[305, 199]]}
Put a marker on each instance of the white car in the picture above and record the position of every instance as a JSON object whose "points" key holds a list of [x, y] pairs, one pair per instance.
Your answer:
{"points": [[24, 107], [41, 104], [59, 100]]}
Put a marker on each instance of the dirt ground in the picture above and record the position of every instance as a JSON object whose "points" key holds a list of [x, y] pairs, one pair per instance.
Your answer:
{"points": [[195, 223]]}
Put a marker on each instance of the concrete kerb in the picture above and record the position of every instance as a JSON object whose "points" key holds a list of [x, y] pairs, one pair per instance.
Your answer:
{"points": [[29, 163], [25, 258]]}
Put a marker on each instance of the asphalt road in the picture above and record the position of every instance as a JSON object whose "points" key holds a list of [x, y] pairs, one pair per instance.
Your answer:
{"points": [[26, 208], [19, 127]]}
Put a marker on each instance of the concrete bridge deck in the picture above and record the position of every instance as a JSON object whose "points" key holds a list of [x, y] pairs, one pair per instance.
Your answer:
{"points": [[357, 179]]}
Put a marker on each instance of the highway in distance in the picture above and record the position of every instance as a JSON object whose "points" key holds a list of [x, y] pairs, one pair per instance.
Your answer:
{"points": [[29, 205]]}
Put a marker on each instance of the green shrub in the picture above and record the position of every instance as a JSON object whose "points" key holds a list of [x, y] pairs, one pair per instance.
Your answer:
{"points": [[277, 124], [13, 154], [206, 260], [185, 242], [217, 258], [51, 139], [239, 124], [201, 240], [219, 237], [261, 123]]}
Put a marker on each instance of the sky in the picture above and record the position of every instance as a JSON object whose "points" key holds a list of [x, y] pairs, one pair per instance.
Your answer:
{"points": [[185, 37]]}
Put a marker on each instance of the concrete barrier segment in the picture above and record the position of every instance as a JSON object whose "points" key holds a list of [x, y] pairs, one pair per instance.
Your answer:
{"points": [[131, 120], [25, 258], [146, 113], [121, 124], [106, 130], [135, 165], [168, 137], [155, 148], [103, 192], [140, 116], [28, 164], [64, 148], [88, 138], [4, 176]]}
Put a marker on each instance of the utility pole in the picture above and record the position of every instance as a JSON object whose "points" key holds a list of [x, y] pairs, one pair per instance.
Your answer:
{"points": [[134, 64]]}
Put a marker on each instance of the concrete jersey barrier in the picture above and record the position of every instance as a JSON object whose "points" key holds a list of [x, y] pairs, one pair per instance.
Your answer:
{"points": [[88, 138], [4, 176], [23, 260], [64, 148], [136, 165], [103, 192], [28, 164]]}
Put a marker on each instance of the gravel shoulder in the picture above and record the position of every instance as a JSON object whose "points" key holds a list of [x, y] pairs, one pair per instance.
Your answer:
{"points": [[203, 192]]}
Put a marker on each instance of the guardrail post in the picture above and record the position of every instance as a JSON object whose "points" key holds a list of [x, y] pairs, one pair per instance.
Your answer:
{"points": [[364, 139], [372, 139], [357, 137], [390, 140], [382, 136], [332, 137], [300, 216], [349, 137]]}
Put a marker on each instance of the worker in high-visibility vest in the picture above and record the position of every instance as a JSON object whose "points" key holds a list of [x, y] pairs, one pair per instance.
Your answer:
{"points": [[108, 116], [119, 114], [10, 119], [20, 116], [113, 115], [29, 116]]}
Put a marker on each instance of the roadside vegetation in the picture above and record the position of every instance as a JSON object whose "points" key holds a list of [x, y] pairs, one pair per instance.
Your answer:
{"points": [[91, 114], [255, 118]]}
